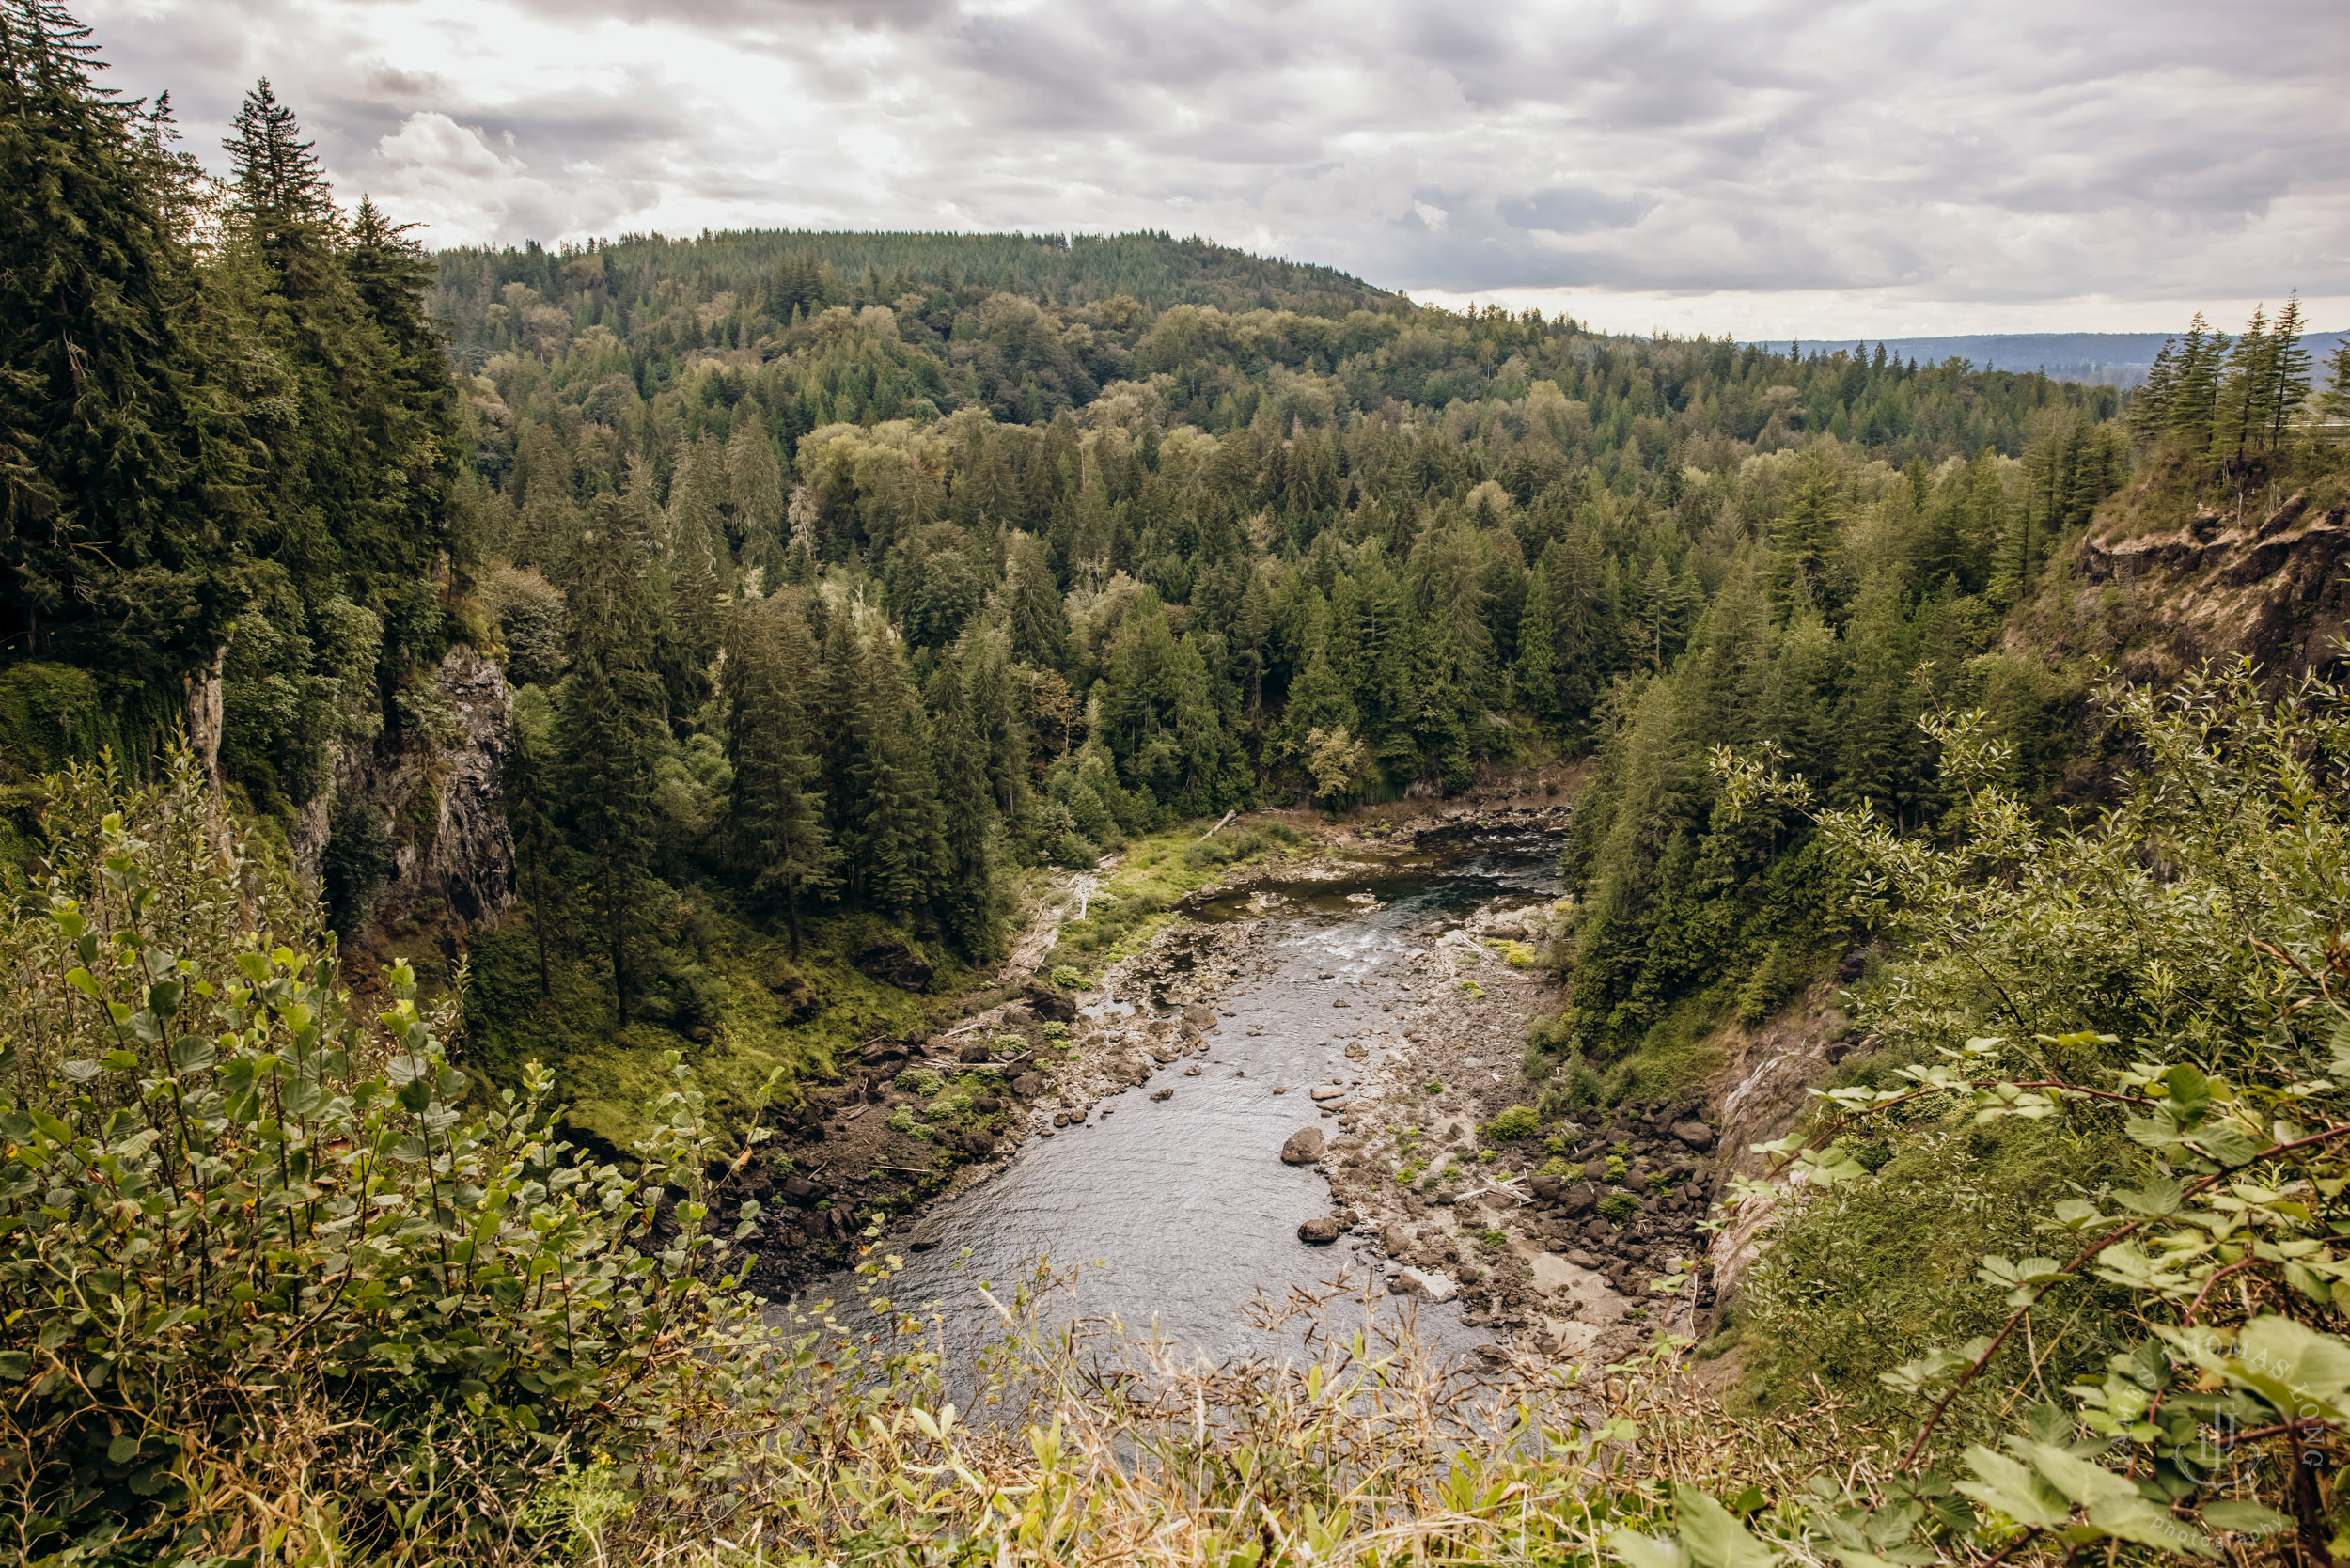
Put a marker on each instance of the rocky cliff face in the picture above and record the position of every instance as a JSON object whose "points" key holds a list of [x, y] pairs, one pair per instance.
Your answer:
{"points": [[2216, 587], [432, 785], [436, 787]]}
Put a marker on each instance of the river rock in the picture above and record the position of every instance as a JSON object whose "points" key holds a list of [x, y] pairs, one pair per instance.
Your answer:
{"points": [[974, 1051], [1697, 1134], [1546, 1185], [799, 1190], [1320, 1232], [1027, 1086], [1324, 1093], [987, 1104], [1305, 1147], [1427, 1284], [925, 1237], [1580, 1199], [1163, 1094]]}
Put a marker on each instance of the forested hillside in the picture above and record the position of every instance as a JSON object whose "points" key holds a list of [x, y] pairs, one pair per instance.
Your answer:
{"points": [[841, 577], [1032, 573]]}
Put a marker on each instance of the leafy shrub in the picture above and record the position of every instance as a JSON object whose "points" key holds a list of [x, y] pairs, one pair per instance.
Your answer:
{"points": [[1615, 1167], [1067, 977], [256, 1247], [2160, 1162], [924, 1081], [1517, 1121], [1617, 1207]]}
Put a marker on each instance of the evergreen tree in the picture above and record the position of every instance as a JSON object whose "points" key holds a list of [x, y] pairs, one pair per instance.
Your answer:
{"points": [[2334, 402], [1040, 624], [1803, 541], [118, 464], [2194, 400], [526, 790], [2245, 385], [613, 733], [776, 821], [968, 900], [755, 483], [281, 191], [2290, 370], [1538, 630]]}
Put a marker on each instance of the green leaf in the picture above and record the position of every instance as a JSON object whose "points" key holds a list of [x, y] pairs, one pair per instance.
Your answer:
{"points": [[2114, 1505], [1642, 1551], [1713, 1534], [2243, 1517], [16, 1365], [2157, 1197], [2010, 1487], [193, 1053], [2226, 1144], [2289, 1365], [124, 1449], [2190, 1090]]}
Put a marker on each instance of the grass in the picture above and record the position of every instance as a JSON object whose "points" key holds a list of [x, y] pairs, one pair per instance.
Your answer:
{"points": [[1351, 1446], [1153, 873], [743, 1008]]}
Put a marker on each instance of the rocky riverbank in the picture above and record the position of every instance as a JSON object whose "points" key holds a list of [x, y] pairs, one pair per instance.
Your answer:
{"points": [[1548, 1229]]}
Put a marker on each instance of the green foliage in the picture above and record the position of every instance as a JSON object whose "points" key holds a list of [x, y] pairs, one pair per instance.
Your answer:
{"points": [[2158, 1165], [246, 1218], [1617, 1207], [1517, 1121], [228, 420]]}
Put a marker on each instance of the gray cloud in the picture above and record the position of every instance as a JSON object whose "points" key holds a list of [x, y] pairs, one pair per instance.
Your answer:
{"points": [[2014, 152]]}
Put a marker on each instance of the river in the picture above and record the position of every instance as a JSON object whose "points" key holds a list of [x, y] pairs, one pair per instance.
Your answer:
{"points": [[1176, 1214]]}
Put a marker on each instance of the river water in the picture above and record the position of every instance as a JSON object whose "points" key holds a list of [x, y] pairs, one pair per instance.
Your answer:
{"points": [[1177, 1215]]}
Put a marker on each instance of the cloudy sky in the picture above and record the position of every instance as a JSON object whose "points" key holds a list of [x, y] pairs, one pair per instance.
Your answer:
{"points": [[1763, 168]]}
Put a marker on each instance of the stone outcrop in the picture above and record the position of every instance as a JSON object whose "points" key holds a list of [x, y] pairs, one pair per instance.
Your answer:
{"points": [[433, 779], [2265, 581]]}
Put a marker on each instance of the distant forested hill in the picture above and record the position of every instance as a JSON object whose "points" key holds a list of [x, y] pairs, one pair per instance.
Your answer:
{"points": [[775, 270]]}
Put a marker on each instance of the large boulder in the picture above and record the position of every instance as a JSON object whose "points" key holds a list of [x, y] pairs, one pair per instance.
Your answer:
{"points": [[894, 964], [1305, 1147], [1580, 1199], [1051, 1004], [1546, 1185], [1320, 1232], [1696, 1135]]}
